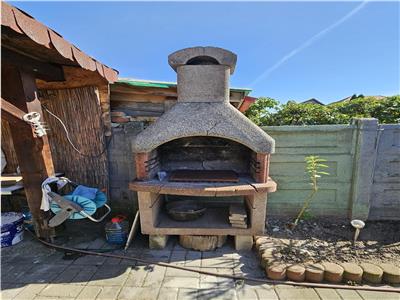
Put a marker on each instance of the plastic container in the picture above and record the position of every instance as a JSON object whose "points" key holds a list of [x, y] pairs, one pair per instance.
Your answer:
{"points": [[28, 222], [117, 230], [12, 228]]}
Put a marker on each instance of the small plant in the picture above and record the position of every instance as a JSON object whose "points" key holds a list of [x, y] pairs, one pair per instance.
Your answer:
{"points": [[314, 165]]}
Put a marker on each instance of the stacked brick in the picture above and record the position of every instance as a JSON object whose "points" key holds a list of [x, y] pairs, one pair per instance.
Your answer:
{"points": [[276, 269], [237, 216]]}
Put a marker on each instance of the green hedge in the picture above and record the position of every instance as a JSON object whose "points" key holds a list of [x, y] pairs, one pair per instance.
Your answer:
{"points": [[269, 112]]}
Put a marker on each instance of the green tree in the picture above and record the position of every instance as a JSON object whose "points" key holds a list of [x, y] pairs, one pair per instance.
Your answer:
{"points": [[261, 111], [314, 166]]}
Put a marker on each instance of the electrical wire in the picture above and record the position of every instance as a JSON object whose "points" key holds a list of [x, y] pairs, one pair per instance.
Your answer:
{"points": [[69, 138], [235, 277]]}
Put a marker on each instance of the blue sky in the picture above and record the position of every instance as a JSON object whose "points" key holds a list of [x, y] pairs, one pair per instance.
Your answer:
{"points": [[326, 58]]}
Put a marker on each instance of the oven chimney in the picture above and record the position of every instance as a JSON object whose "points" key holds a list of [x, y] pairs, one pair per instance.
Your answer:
{"points": [[203, 73]]}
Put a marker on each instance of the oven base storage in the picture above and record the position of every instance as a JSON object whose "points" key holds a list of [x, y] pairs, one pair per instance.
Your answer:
{"points": [[155, 221]]}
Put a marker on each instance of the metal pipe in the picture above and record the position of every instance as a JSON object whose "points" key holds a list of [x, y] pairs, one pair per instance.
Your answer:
{"points": [[305, 284]]}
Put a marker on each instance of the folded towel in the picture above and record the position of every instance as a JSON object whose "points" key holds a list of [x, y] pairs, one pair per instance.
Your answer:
{"points": [[85, 191], [61, 181]]}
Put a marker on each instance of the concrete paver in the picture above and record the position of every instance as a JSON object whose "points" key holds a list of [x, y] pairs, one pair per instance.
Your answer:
{"points": [[155, 276], [181, 282], [181, 273], [371, 295], [348, 294], [136, 276], [297, 293], [110, 275], [30, 291], [129, 293], [168, 293], [217, 294], [48, 276], [187, 294], [61, 290], [246, 293], [266, 293], [9, 291], [328, 294], [108, 293], [89, 293]]}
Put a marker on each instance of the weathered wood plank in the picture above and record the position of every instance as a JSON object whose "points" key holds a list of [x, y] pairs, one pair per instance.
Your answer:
{"points": [[34, 155]]}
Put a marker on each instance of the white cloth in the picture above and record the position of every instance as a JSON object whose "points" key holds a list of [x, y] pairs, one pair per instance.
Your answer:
{"points": [[3, 161], [61, 182]]}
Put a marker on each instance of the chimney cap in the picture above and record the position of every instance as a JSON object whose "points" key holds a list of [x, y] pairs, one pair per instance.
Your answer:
{"points": [[222, 56]]}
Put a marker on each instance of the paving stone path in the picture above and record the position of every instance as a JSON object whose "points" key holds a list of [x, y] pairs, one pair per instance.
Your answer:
{"points": [[31, 271]]}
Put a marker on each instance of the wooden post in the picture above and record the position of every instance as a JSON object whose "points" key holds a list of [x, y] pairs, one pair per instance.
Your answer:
{"points": [[34, 155]]}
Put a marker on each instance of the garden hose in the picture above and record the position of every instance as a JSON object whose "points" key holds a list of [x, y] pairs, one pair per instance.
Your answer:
{"points": [[235, 277]]}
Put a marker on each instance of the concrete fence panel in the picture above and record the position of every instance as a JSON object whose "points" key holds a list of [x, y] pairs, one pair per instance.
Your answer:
{"points": [[335, 143], [385, 196]]}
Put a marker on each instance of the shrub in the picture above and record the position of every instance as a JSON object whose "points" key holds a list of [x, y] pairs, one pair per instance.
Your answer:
{"points": [[268, 111]]}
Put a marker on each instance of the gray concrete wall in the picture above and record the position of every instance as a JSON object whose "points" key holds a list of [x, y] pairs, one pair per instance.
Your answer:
{"points": [[385, 196], [122, 168], [363, 160]]}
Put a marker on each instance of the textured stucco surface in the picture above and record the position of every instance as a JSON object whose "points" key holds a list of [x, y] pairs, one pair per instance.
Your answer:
{"points": [[224, 57], [203, 119]]}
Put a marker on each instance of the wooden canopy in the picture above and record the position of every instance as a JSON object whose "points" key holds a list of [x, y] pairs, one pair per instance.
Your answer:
{"points": [[34, 56]]}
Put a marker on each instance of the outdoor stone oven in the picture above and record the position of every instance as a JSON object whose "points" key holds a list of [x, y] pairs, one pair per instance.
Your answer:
{"points": [[206, 148]]}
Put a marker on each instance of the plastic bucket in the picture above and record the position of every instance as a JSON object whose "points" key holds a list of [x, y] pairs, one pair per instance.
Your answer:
{"points": [[12, 228]]}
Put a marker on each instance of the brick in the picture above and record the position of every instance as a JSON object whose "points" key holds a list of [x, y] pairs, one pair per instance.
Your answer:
{"points": [[296, 273], [276, 271], [243, 242], [120, 119], [372, 273], [391, 273], [314, 273], [267, 257], [333, 272], [352, 272], [157, 241]]}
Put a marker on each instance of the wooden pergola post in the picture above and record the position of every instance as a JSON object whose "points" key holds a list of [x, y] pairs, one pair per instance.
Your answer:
{"points": [[33, 153]]}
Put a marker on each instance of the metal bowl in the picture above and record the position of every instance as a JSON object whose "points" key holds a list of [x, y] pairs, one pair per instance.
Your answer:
{"points": [[185, 210]]}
